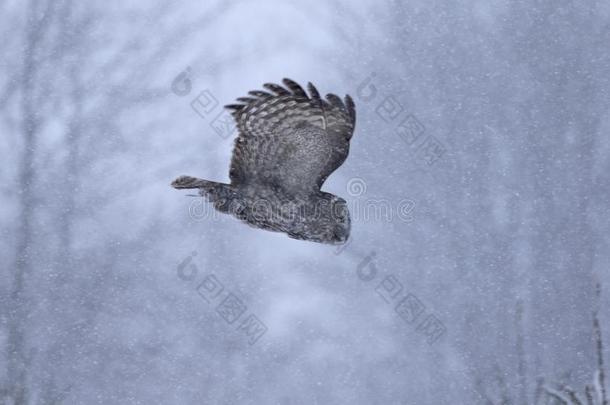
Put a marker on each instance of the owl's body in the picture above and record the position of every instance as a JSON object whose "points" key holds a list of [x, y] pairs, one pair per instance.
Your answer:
{"points": [[288, 144]]}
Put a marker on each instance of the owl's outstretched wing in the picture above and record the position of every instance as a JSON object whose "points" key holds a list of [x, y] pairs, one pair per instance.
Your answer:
{"points": [[290, 139]]}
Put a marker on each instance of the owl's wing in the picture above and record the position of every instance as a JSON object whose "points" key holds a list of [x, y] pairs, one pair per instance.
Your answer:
{"points": [[289, 138]]}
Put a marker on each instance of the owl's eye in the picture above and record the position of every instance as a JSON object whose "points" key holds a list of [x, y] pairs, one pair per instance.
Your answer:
{"points": [[339, 209]]}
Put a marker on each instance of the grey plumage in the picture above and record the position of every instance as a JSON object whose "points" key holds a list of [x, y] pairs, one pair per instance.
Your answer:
{"points": [[289, 142]]}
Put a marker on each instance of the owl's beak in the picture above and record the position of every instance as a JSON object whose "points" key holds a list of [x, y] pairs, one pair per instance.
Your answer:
{"points": [[340, 235]]}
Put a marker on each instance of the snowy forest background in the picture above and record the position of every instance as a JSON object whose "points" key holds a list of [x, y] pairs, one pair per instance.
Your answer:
{"points": [[505, 166]]}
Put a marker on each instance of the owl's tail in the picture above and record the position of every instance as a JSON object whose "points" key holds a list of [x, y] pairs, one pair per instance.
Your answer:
{"points": [[186, 182], [218, 193]]}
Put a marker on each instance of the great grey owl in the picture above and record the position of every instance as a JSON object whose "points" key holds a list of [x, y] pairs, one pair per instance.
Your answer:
{"points": [[289, 142]]}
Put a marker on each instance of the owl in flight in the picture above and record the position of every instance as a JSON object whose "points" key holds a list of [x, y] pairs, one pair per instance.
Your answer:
{"points": [[288, 143]]}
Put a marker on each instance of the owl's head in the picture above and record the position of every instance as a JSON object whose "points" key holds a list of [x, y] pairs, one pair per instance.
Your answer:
{"points": [[340, 221], [326, 220]]}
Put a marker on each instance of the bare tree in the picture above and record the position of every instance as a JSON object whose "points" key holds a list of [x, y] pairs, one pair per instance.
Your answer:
{"points": [[593, 394], [30, 103], [56, 82]]}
